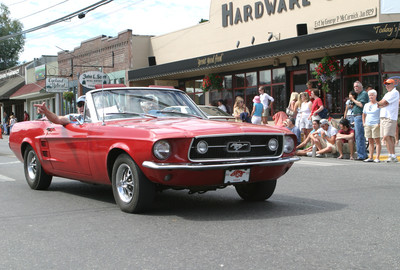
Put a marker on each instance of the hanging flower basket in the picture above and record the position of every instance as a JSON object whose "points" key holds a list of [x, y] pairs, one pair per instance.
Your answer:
{"points": [[326, 71], [211, 81], [68, 96]]}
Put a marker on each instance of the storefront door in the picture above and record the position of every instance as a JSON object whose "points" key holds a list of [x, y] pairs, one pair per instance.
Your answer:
{"points": [[298, 80]]}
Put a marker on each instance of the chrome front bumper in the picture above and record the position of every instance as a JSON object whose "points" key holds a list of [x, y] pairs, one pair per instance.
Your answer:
{"points": [[208, 166]]}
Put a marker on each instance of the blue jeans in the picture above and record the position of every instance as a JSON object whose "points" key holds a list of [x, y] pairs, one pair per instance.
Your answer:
{"points": [[360, 139]]}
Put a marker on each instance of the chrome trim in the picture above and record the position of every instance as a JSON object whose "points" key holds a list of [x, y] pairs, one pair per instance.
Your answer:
{"points": [[201, 166], [235, 134]]}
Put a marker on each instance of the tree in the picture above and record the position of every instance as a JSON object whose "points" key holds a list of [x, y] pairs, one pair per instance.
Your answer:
{"points": [[11, 47]]}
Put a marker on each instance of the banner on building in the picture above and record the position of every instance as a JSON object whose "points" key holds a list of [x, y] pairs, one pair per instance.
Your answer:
{"points": [[56, 85], [40, 72]]}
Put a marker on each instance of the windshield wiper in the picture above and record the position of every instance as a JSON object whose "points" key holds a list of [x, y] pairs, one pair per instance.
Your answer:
{"points": [[179, 113], [132, 113]]}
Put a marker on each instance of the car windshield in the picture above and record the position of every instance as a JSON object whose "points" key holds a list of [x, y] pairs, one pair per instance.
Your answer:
{"points": [[133, 103]]}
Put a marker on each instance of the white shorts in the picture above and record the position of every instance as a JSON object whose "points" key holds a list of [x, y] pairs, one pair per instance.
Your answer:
{"points": [[256, 120], [305, 123]]}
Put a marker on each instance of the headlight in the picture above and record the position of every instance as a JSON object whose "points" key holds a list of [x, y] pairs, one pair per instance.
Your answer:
{"points": [[162, 150], [202, 147], [273, 144], [288, 144]]}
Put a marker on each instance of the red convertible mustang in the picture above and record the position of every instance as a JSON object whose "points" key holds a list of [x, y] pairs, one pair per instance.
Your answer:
{"points": [[128, 138]]}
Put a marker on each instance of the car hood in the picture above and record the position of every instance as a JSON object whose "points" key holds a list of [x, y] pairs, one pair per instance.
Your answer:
{"points": [[192, 127]]}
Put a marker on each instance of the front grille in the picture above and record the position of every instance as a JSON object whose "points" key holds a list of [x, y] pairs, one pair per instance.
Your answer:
{"points": [[234, 147]]}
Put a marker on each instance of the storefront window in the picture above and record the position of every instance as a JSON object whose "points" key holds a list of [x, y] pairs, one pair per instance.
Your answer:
{"points": [[227, 97], [370, 63], [189, 86], [250, 93], [227, 83], [239, 80], [279, 95], [279, 75], [391, 62], [265, 77], [351, 66], [251, 79]]}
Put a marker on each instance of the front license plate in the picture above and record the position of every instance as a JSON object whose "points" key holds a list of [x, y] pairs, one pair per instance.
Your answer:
{"points": [[237, 176]]}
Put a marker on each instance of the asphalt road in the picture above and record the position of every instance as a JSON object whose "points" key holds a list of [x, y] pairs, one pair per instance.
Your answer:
{"points": [[325, 214]]}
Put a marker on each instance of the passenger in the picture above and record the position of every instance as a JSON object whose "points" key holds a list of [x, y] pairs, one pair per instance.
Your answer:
{"points": [[62, 120], [345, 139], [325, 138]]}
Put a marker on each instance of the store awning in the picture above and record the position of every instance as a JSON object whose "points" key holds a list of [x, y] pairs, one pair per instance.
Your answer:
{"points": [[307, 43], [29, 90], [9, 86]]}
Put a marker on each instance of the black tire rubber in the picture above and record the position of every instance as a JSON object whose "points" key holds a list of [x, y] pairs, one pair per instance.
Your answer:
{"points": [[35, 176], [134, 193], [256, 192]]}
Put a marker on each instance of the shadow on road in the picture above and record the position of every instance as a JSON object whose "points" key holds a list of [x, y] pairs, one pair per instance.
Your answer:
{"points": [[215, 205]]}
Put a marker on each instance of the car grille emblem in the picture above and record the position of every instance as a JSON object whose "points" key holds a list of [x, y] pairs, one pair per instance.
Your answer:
{"points": [[236, 147]]}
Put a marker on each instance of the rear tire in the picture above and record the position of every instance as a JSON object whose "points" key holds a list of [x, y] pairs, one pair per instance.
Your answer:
{"points": [[255, 192], [35, 176], [133, 192]]}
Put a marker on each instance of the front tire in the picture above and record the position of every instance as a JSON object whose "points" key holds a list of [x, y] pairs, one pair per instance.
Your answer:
{"points": [[132, 191], [256, 192], [35, 176]]}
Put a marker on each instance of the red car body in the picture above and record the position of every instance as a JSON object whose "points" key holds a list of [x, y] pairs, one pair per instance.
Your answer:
{"points": [[88, 151]]}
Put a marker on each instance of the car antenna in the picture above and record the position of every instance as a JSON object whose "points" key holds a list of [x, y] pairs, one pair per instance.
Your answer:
{"points": [[102, 94]]}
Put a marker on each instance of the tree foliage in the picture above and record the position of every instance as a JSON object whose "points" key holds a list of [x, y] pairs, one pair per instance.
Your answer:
{"points": [[11, 47]]}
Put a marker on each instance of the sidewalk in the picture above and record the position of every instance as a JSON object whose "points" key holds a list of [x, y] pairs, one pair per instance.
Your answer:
{"points": [[383, 157]]}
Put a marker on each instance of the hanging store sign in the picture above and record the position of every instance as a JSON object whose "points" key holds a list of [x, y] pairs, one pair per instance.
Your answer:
{"points": [[91, 78], [344, 18], [57, 85]]}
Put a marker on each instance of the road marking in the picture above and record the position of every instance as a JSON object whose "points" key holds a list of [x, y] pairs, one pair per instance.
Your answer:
{"points": [[11, 162], [322, 164], [4, 178]]}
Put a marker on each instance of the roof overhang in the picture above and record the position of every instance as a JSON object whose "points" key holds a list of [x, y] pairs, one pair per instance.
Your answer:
{"points": [[333, 39], [30, 90]]}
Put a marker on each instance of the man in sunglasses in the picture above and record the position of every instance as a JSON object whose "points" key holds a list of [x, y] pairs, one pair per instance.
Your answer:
{"points": [[66, 119]]}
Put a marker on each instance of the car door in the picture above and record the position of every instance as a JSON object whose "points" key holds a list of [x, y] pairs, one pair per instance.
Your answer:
{"points": [[68, 147]]}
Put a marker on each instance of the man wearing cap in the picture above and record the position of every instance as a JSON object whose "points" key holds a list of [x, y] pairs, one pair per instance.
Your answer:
{"points": [[359, 103], [266, 101], [325, 138], [257, 111], [66, 119], [389, 113]]}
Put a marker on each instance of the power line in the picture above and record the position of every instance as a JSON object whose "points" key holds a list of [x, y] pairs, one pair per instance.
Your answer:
{"points": [[42, 10], [68, 17]]}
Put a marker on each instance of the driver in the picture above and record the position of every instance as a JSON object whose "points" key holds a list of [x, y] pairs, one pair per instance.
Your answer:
{"points": [[149, 104], [66, 119]]}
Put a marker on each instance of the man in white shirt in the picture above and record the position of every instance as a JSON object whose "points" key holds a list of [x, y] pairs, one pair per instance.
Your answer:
{"points": [[325, 138], [389, 113], [266, 101], [221, 105]]}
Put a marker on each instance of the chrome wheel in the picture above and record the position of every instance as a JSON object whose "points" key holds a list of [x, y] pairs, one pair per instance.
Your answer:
{"points": [[32, 165], [125, 183], [35, 176], [133, 192]]}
